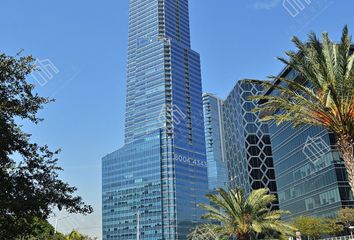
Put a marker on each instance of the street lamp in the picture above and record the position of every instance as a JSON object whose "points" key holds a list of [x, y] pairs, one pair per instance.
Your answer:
{"points": [[351, 228]]}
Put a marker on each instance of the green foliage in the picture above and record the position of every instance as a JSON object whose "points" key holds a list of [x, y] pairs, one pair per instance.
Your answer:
{"points": [[346, 216], [321, 95], [30, 188], [240, 216], [315, 227], [309, 226], [40, 230], [75, 235], [332, 227], [328, 101]]}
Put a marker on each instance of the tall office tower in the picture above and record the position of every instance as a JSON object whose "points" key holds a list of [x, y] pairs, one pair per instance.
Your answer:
{"points": [[214, 137], [152, 185], [311, 177], [247, 142]]}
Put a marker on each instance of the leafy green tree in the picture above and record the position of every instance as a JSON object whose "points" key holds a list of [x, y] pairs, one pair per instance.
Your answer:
{"points": [[332, 227], [313, 227], [41, 230], [346, 216], [30, 187], [322, 95], [309, 226], [75, 235], [241, 216]]}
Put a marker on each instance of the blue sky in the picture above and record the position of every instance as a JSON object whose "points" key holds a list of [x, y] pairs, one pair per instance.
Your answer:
{"points": [[86, 40]]}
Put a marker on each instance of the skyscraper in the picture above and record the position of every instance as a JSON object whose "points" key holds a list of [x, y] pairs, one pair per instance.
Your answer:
{"points": [[151, 186], [311, 176], [214, 138], [247, 141]]}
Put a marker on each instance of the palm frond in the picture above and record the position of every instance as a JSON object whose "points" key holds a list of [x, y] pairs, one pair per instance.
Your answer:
{"points": [[240, 215], [323, 92]]}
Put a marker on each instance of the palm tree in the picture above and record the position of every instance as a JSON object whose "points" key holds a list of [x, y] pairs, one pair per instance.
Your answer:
{"points": [[75, 235], [240, 216], [322, 95]]}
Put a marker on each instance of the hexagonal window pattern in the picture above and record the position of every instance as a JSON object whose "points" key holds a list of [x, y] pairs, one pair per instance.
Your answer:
{"points": [[247, 140]]}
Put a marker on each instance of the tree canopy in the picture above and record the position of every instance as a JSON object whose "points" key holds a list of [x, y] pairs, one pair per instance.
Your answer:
{"points": [[346, 216], [313, 227], [30, 187]]}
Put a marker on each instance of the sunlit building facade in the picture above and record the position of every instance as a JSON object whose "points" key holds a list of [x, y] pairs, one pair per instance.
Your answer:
{"points": [[214, 138], [152, 185], [311, 176], [247, 142]]}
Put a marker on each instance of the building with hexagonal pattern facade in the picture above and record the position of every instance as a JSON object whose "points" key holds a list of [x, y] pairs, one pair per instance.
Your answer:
{"points": [[247, 142]]}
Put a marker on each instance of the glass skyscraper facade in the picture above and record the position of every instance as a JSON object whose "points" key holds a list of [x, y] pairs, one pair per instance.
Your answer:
{"points": [[152, 185], [311, 177], [247, 141], [214, 138]]}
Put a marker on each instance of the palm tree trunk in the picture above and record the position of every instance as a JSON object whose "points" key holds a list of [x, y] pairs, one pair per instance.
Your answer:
{"points": [[346, 147], [244, 236]]}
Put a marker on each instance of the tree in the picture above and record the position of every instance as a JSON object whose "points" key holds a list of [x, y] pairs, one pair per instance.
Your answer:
{"points": [[322, 95], [75, 235], [315, 227], [309, 226], [241, 216], [41, 230], [346, 216], [332, 227], [30, 187]]}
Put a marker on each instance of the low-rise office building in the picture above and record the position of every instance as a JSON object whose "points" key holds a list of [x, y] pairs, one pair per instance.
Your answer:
{"points": [[311, 177]]}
